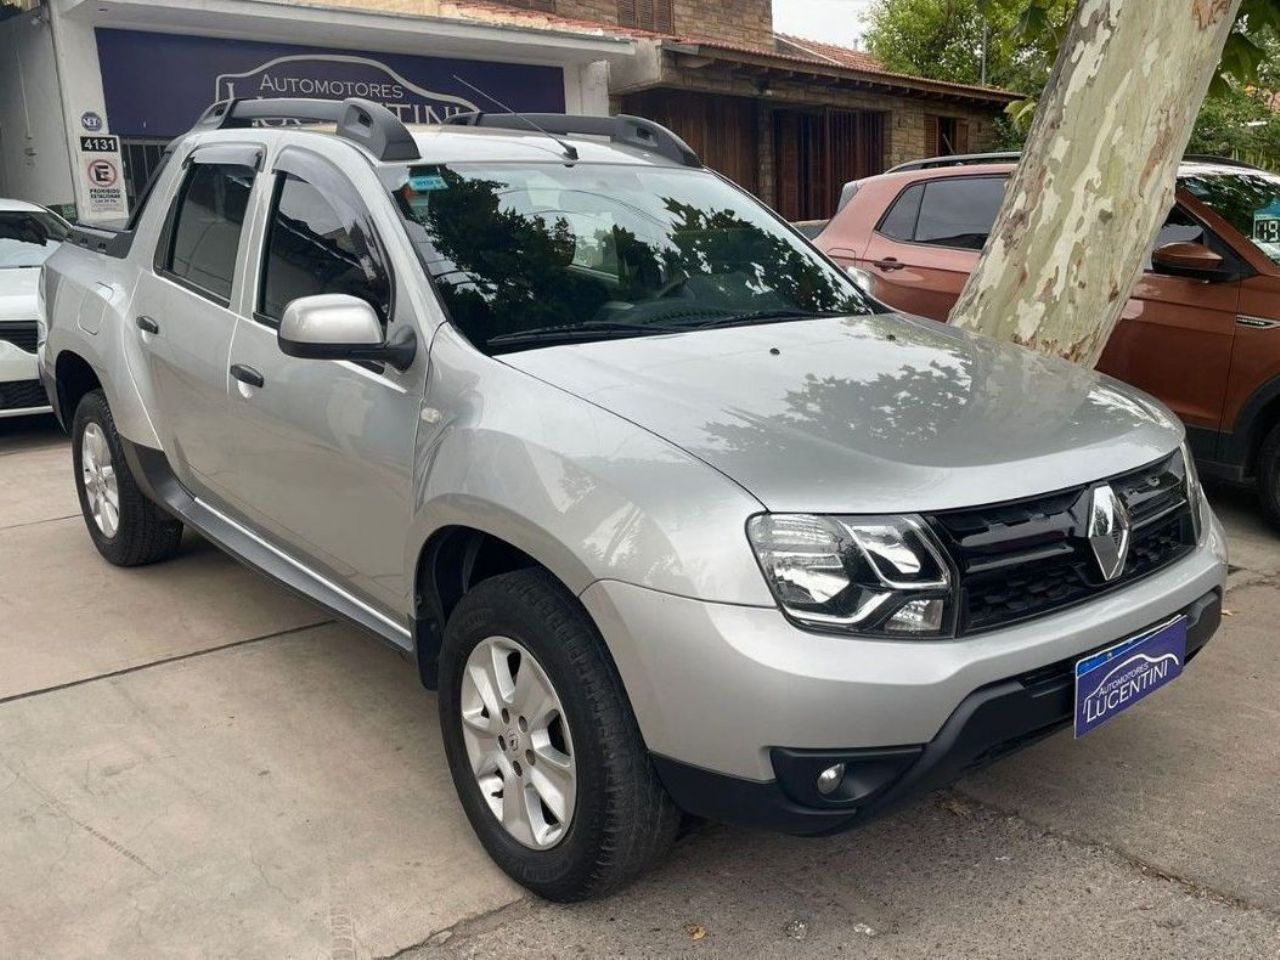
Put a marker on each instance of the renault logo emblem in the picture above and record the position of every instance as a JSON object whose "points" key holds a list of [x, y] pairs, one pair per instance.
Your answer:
{"points": [[1108, 531]]}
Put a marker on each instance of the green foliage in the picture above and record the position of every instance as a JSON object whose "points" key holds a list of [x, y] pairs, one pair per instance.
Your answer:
{"points": [[1238, 123], [942, 39]]}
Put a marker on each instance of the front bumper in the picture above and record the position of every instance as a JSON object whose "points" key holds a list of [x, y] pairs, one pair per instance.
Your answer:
{"points": [[21, 390], [737, 696], [989, 723]]}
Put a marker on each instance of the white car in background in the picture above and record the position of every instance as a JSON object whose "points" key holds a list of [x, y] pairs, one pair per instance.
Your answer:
{"points": [[28, 235]]}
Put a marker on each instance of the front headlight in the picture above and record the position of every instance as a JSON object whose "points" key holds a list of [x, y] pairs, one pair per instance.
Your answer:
{"points": [[873, 576], [1195, 492]]}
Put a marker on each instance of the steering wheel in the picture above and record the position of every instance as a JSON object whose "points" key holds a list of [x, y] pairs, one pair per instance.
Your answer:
{"points": [[671, 287]]}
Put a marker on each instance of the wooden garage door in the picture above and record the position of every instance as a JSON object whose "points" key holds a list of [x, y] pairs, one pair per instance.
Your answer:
{"points": [[721, 129], [817, 153]]}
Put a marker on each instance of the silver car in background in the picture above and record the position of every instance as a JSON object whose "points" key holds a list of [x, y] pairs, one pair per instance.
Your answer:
{"points": [[671, 516]]}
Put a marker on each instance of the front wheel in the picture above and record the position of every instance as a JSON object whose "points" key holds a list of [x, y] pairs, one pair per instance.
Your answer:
{"points": [[543, 747], [127, 528]]}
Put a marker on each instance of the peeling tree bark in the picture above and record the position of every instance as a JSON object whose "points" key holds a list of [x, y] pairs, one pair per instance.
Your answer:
{"points": [[1096, 179]]}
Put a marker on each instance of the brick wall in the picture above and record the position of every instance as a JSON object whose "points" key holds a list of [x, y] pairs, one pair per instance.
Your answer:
{"points": [[907, 133], [744, 22]]}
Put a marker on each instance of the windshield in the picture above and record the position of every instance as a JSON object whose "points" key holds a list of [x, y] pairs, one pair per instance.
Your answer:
{"points": [[535, 254], [27, 237], [1247, 199]]}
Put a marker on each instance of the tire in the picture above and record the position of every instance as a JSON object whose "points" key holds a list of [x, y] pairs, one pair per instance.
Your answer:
{"points": [[128, 529], [622, 820], [1268, 480]]}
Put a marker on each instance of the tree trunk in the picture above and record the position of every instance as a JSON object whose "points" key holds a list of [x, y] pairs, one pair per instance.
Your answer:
{"points": [[1097, 175]]}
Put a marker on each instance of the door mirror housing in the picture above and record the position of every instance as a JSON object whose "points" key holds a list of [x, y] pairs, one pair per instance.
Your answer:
{"points": [[337, 326], [1194, 261]]}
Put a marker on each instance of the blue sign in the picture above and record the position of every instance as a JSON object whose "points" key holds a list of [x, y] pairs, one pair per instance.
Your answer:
{"points": [[1120, 676], [91, 121], [158, 84]]}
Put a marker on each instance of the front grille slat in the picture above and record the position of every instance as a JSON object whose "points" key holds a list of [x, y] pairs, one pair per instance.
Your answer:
{"points": [[21, 333], [1021, 560]]}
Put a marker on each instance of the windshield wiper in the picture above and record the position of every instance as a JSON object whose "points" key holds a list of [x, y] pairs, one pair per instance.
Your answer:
{"points": [[591, 330], [761, 316]]}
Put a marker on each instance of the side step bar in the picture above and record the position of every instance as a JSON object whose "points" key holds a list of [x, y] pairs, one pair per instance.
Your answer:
{"points": [[152, 471]]}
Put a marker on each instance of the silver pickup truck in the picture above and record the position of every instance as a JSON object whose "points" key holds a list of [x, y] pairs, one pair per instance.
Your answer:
{"points": [[671, 516]]}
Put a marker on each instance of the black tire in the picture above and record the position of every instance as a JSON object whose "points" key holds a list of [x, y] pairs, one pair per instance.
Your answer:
{"points": [[144, 533], [623, 820], [1269, 476]]}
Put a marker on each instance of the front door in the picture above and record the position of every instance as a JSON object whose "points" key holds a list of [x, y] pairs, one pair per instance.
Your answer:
{"points": [[182, 313], [323, 450], [1175, 336]]}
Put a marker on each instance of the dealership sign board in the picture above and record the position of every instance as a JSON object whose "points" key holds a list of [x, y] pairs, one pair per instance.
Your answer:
{"points": [[156, 84]]}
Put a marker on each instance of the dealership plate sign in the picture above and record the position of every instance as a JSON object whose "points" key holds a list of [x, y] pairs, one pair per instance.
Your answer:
{"points": [[196, 71], [1118, 677]]}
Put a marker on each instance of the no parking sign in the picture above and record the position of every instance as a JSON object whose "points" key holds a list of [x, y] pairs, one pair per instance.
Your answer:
{"points": [[101, 178]]}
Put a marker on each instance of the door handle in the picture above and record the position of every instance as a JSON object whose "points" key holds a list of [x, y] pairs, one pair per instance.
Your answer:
{"points": [[247, 375], [888, 263], [147, 325]]}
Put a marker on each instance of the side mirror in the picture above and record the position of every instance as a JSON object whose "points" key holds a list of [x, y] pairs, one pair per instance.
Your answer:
{"points": [[861, 279], [1194, 261], [336, 326]]}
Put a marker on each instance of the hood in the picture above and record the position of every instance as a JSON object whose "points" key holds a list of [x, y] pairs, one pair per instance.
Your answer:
{"points": [[867, 414], [18, 293]]}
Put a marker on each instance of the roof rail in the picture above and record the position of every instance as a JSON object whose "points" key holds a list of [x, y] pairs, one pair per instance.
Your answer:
{"points": [[1012, 156], [1225, 161], [369, 124], [623, 129], [958, 160]]}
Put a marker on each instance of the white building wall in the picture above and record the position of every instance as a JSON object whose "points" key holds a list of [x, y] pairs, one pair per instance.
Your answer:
{"points": [[34, 160], [75, 50]]}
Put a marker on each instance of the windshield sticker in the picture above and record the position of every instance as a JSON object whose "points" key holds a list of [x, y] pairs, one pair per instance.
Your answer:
{"points": [[426, 182]]}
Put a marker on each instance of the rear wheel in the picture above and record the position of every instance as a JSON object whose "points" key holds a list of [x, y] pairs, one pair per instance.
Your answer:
{"points": [[544, 750], [127, 528]]}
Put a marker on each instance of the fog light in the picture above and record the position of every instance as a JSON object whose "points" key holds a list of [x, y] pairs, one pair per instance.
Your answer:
{"points": [[830, 778]]}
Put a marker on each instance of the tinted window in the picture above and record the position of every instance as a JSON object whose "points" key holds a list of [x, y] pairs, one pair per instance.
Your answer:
{"points": [[900, 222], [28, 237], [206, 230], [959, 213], [1247, 199], [543, 252], [313, 249]]}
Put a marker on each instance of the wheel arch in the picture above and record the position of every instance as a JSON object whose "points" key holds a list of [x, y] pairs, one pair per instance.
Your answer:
{"points": [[1258, 415], [454, 559], [74, 377]]}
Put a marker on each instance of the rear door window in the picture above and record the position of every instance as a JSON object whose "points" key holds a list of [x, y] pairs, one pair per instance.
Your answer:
{"points": [[204, 238], [900, 222], [959, 212]]}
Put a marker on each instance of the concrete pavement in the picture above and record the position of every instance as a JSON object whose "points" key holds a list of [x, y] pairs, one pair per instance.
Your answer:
{"points": [[193, 763]]}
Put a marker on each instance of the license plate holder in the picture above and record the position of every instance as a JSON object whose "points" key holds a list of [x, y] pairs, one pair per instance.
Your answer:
{"points": [[1112, 680]]}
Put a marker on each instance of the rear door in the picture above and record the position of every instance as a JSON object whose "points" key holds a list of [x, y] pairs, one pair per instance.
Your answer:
{"points": [[182, 310], [322, 450], [1175, 336], [929, 240]]}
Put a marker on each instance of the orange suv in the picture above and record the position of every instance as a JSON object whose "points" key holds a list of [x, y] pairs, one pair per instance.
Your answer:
{"points": [[1201, 332]]}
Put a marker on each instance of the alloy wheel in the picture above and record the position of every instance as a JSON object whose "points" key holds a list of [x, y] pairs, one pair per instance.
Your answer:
{"points": [[98, 473], [518, 742]]}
